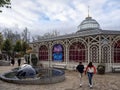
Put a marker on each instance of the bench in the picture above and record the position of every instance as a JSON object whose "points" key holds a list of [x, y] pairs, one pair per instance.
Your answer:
{"points": [[114, 68], [63, 66]]}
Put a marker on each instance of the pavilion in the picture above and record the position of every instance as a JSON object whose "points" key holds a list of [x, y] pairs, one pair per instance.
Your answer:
{"points": [[89, 43]]}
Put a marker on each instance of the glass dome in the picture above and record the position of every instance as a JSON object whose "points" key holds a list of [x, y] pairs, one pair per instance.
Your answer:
{"points": [[89, 24]]}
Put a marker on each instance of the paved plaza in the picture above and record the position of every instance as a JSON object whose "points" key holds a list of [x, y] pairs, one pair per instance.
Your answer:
{"points": [[109, 81]]}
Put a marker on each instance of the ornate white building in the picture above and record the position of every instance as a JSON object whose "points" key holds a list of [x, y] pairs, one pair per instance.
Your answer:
{"points": [[89, 43]]}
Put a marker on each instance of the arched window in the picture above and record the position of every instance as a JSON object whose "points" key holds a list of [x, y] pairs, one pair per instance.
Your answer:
{"points": [[77, 52], [117, 52], [43, 53], [58, 52]]}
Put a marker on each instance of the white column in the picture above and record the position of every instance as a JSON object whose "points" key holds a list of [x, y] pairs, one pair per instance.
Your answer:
{"points": [[99, 54], [99, 50], [66, 54], [88, 53], [110, 56], [50, 55]]}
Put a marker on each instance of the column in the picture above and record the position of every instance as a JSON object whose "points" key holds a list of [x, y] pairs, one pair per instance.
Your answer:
{"points": [[99, 53], [88, 53], [66, 54], [50, 54]]}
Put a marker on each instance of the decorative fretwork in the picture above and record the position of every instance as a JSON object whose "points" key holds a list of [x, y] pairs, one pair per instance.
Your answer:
{"points": [[117, 52], [94, 39], [105, 39], [105, 54], [94, 54]]}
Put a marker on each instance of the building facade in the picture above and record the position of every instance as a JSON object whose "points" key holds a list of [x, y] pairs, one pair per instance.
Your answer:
{"points": [[89, 43]]}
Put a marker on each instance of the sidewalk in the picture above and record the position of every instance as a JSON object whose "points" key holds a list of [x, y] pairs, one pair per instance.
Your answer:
{"points": [[109, 81]]}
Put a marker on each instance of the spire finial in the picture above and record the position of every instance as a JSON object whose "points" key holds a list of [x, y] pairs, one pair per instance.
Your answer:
{"points": [[88, 10]]}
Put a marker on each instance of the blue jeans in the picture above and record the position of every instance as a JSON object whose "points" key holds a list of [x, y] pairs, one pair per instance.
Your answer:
{"points": [[90, 75]]}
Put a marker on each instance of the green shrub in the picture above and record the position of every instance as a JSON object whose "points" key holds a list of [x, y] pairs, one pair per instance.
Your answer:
{"points": [[34, 59], [0, 56]]}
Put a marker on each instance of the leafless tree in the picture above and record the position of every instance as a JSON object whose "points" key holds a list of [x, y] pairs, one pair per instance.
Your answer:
{"points": [[9, 34], [52, 34], [26, 35]]}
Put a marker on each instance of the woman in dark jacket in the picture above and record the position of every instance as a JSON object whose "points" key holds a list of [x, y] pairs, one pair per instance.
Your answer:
{"points": [[80, 69]]}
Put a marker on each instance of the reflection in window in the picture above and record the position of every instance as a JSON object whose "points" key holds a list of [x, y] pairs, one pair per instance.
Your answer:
{"points": [[43, 53], [58, 54], [77, 52]]}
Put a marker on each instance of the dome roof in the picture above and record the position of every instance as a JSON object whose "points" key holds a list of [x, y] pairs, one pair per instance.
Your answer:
{"points": [[89, 24]]}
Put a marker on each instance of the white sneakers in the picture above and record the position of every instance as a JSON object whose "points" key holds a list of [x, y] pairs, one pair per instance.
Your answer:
{"points": [[80, 85], [91, 86]]}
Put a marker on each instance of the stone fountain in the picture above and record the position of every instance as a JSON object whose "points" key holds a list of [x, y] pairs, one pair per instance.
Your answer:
{"points": [[26, 74]]}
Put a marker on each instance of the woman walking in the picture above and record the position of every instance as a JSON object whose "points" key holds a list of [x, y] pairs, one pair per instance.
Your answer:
{"points": [[90, 70]]}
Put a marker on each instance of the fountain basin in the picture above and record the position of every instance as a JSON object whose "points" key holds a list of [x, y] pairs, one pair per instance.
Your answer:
{"points": [[44, 76]]}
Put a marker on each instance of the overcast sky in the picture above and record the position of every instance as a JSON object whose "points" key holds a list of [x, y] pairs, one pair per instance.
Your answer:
{"points": [[42, 16]]}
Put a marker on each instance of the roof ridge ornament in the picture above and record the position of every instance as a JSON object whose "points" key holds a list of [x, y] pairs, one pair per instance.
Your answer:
{"points": [[88, 23], [88, 11]]}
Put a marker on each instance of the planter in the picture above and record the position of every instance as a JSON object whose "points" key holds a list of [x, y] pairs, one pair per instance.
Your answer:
{"points": [[101, 69]]}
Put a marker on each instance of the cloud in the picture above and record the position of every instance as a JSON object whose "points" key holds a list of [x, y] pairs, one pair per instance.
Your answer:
{"points": [[42, 16]]}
